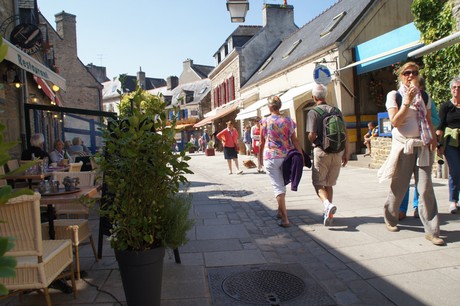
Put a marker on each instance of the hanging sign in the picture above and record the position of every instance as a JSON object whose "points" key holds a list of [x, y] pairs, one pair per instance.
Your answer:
{"points": [[322, 75]]}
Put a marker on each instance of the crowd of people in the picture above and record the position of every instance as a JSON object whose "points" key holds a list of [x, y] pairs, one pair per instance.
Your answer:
{"points": [[63, 152], [418, 134]]}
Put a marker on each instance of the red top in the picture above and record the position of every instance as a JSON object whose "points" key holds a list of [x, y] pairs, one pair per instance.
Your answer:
{"points": [[228, 137]]}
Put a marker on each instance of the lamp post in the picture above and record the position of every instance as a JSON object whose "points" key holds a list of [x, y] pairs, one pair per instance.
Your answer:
{"points": [[237, 9]]}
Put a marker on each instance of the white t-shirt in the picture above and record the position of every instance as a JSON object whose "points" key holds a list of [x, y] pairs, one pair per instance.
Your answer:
{"points": [[409, 126]]}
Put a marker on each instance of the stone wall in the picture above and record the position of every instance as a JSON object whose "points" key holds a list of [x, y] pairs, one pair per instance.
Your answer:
{"points": [[381, 148]]}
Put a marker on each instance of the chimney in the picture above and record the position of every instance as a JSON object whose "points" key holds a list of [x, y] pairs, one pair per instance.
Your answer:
{"points": [[187, 64], [141, 78], [172, 82], [278, 15], [67, 30]]}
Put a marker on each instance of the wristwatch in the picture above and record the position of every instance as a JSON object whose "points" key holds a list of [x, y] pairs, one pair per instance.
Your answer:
{"points": [[407, 105], [438, 145]]}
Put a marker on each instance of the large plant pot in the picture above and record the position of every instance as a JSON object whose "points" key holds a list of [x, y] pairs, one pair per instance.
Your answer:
{"points": [[141, 274], [210, 152]]}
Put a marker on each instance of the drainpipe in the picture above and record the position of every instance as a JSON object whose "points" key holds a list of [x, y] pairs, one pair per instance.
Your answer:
{"points": [[357, 105], [23, 91]]}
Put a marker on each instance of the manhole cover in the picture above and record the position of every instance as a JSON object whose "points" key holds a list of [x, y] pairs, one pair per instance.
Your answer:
{"points": [[263, 287]]}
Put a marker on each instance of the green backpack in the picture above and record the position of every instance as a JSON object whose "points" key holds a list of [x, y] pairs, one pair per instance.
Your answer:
{"points": [[332, 137]]}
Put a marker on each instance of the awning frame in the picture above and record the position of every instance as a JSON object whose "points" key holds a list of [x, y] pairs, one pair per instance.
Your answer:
{"points": [[435, 46]]}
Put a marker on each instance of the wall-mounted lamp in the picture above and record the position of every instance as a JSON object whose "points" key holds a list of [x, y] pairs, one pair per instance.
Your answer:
{"points": [[55, 88], [237, 9], [12, 77], [52, 102], [33, 98]]}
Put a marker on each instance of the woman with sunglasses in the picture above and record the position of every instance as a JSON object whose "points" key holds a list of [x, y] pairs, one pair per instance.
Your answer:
{"points": [[413, 141], [448, 145]]}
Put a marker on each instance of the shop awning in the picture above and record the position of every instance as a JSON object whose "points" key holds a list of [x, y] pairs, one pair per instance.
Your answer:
{"points": [[47, 90], [219, 114], [28, 63], [437, 45], [295, 93], [386, 49], [252, 110]]}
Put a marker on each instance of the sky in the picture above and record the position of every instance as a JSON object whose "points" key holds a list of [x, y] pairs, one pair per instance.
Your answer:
{"points": [[158, 36]]}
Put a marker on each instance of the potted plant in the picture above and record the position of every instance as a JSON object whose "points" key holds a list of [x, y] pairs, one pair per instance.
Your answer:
{"points": [[146, 202], [210, 149]]}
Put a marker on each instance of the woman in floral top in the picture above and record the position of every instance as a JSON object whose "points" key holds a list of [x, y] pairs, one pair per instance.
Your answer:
{"points": [[277, 137]]}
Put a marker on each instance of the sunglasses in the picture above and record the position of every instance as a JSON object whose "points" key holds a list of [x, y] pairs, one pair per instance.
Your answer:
{"points": [[408, 72]]}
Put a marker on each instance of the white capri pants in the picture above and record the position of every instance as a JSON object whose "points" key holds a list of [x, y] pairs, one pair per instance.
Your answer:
{"points": [[274, 169]]}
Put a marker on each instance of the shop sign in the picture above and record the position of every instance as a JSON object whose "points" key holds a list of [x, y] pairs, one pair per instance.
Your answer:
{"points": [[27, 37]]}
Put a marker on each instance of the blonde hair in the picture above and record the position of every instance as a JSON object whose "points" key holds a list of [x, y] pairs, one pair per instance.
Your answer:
{"points": [[274, 102], [404, 67]]}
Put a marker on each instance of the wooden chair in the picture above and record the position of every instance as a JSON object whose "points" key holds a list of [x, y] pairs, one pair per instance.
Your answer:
{"points": [[39, 262], [3, 182], [77, 230], [75, 167], [12, 165]]}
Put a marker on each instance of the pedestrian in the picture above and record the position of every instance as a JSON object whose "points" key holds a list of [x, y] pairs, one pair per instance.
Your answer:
{"points": [[368, 137], [247, 140], [255, 136], [326, 166], [277, 138], [449, 137], [413, 141], [229, 138], [204, 140], [405, 202]]}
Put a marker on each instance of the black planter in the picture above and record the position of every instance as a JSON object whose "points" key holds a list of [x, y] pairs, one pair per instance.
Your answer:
{"points": [[141, 274]]}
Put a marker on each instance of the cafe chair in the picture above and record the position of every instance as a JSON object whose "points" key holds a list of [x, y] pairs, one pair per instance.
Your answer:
{"points": [[3, 182], [77, 230], [39, 262], [75, 167], [12, 165]]}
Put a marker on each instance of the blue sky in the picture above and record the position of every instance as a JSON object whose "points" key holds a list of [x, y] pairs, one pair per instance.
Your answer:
{"points": [[159, 35]]}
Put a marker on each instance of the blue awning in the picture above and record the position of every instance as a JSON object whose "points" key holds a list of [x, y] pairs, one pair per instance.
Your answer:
{"points": [[387, 49]]}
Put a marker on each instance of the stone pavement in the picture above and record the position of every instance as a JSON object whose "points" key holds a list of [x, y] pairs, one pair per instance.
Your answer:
{"points": [[356, 261]]}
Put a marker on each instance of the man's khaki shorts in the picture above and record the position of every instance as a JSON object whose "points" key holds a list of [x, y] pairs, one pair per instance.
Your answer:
{"points": [[326, 167]]}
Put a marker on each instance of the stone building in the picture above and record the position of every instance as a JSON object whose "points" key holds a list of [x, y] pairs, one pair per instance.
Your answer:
{"points": [[85, 91]]}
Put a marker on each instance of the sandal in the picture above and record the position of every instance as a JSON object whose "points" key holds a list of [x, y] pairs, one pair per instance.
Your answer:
{"points": [[282, 224]]}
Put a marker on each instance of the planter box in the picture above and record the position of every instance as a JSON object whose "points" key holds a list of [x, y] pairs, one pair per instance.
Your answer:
{"points": [[210, 152]]}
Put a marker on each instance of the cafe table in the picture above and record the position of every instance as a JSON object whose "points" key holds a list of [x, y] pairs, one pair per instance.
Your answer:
{"points": [[30, 177], [62, 197]]}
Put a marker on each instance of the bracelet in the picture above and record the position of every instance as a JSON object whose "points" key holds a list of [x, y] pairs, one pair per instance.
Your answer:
{"points": [[407, 105]]}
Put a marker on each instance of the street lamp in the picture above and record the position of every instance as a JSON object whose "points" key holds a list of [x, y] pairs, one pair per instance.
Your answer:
{"points": [[237, 9]]}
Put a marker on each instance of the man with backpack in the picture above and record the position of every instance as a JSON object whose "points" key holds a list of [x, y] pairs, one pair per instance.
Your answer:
{"points": [[327, 133]]}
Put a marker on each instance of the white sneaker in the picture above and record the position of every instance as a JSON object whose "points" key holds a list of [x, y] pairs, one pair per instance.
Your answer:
{"points": [[453, 208], [329, 214]]}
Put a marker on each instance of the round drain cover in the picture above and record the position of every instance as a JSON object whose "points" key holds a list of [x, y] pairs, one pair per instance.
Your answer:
{"points": [[263, 287]]}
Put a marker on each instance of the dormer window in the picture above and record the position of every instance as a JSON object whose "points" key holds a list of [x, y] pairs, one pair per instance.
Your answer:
{"points": [[293, 47], [268, 61], [334, 22]]}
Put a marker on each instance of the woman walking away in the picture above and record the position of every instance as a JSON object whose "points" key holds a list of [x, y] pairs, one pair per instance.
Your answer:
{"points": [[449, 137], [277, 137], [229, 138], [413, 141]]}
